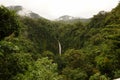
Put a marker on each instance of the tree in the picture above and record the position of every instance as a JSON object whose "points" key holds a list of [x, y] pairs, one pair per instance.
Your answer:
{"points": [[98, 76], [75, 68], [9, 23], [13, 64], [43, 69]]}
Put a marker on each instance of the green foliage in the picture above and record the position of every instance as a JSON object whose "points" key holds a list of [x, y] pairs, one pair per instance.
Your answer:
{"points": [[71, 33], [48, 54], [98, 20], [8, 47], [76, 66], [74, 58], [74, 74], [41, 33], [114, 16], [13, 64], [43, 69], [8, 23], [98, 76], [105, 65], [117, 74]]}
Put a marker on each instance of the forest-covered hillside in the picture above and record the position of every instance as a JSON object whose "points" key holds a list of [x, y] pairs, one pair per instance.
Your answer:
{"points": [[40, 49]]}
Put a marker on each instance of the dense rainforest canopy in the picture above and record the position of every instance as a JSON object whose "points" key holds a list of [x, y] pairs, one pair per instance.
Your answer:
{"points": [[29, 47]]}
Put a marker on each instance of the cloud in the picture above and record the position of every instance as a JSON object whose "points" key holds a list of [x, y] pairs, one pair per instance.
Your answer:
{"points": [[52, 9]]}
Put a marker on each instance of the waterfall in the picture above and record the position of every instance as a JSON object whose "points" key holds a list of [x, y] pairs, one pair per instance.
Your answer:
{"points": [[59, 47]]}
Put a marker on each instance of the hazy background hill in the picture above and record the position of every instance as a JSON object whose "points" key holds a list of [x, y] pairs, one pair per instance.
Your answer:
{"points": [[28, 13], [24, 12], [71, 19]]}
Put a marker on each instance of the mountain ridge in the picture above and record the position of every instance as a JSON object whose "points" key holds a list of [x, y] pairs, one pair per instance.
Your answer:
{"points": [[69, 19], [20, 10]]}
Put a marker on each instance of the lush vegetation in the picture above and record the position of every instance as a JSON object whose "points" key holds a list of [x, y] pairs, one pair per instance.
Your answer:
{"points": [[30, 47]]}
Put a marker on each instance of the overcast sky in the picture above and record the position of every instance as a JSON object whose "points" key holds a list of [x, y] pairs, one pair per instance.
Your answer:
{"points": [[52, 9]]}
